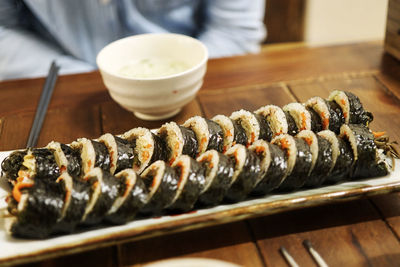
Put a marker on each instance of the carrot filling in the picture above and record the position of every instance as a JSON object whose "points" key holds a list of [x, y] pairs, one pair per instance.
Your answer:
{"points": [[325, 121], [378, 134], [309, 141], [252, 139], [260, 150], [303, 121], [16, 192]]}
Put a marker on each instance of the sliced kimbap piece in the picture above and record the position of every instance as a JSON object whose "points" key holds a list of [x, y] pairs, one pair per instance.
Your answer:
{"points": [[368, 162], [297, 113], [121, 152], [178, 140], [93, 154], [299, 161], [191, 182], [76, 199], [233, 132], [247, 172], [342, 158], [209, 134], [67, 159], [276, 118], [219, 170], [12, 164], [273, 164], [107, 189], [321, 151], [255, 126], [147, 147], [133, 198], [330, 116], [36, 207], [352, 108], [161, 181]]}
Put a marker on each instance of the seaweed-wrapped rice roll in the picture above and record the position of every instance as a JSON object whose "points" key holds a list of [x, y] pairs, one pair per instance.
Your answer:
{"points": [[233, 132], [321, 151], [342, 158], [297, 113], [209, 134], [352, 108], [12, 164], [276, 118], [179, 140], [121, 152], [255, 126], [247, 172], [367, 160], [36, 208], [106, 190], [219, 171], [327, 112], [191, 181], [147, 148], [78, 194], [273, 162], [93, 154], [131, 200], [67, 158], [161, 181], [299, 161]]}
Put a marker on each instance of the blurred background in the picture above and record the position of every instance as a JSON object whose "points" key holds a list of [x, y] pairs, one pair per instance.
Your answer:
{"points": [[322, 22]]}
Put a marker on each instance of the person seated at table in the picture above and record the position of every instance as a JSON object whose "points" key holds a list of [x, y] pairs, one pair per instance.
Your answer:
{"points": [[33, 33]]}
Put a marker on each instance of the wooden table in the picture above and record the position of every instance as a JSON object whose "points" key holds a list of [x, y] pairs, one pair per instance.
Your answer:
{"points": [[355, 233]]}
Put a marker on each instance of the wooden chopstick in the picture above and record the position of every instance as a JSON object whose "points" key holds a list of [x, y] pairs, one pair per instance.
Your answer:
{"points": [[318, 259], [289, 259], [44, 100]]}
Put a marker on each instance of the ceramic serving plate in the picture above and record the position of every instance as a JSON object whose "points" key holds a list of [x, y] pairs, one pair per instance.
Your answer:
{"points": [[20, 250]]}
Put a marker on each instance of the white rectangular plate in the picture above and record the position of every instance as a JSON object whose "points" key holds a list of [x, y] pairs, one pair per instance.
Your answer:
{"points": [[19, 250]]}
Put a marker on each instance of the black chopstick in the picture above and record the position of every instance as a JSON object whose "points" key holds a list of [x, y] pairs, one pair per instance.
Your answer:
{"points": [[44, 100]]}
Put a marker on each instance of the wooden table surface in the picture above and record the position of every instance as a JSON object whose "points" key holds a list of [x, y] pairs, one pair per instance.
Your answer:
{"points": [[362, 232]]}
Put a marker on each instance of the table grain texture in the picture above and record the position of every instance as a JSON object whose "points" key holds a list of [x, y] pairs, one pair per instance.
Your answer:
{"points": [[362, 232]]}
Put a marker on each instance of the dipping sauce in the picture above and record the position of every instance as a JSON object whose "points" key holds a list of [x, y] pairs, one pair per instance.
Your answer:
{"points": [[153, 68]]}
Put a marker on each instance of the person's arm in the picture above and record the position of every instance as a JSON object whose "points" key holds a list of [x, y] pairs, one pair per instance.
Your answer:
{"points": [[233, 27], [24, 54]]}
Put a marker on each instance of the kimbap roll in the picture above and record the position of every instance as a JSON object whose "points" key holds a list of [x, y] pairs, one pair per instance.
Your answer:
{"points": [[191, 182], [67, 159], [276, 118], [300, 116], [219, 171], [161, 182], [106, 190], [93, 154], [367, 159], [178, 140], [120, 150], [352, 108], [273, 164], [11, 166], [131, 200], [36, 208], [208, 133], [321, 151], [342, 158], [233, 132], [247, 172], [147, 148], [299, 161], [255, 126]]}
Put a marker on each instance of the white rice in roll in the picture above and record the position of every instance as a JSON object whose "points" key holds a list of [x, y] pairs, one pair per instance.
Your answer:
{"points": [[228, 129], [249, 123], [109, 141]]}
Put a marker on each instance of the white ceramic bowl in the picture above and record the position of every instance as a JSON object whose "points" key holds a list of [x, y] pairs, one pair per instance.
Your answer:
{"points": [[160, 97]]}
